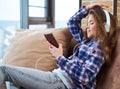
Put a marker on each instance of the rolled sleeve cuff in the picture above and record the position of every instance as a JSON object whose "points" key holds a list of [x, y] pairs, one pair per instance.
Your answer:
{"points": [[61, 61], [83, 11]]}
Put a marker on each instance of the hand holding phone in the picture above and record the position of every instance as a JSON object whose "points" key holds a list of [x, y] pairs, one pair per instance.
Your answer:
{"points": [[51, 39]]}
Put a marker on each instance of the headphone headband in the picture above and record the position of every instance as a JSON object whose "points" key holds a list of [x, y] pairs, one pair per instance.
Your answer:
{"points": [[107, 25]]}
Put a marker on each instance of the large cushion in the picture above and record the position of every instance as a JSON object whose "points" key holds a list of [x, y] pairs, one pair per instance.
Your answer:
{"points": [[110, 78], [30, 49]]}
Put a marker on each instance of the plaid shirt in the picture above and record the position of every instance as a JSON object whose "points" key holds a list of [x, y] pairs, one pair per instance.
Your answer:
{"points": [[86, 61]]}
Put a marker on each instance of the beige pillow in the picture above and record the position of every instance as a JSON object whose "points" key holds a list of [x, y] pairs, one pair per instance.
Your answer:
{"points": [[30, 49]]}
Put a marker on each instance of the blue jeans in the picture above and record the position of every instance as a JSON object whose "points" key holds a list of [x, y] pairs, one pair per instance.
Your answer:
{"points": [[30, 78]]}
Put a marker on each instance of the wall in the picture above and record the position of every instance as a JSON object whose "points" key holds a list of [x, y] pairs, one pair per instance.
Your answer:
{"points": [[118, 11], [110, 3]]}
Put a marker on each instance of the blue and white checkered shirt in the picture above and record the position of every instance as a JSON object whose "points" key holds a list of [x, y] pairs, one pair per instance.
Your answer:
{"points": [[85, 63]]}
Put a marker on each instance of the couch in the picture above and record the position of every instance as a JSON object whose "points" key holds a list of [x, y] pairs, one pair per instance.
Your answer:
{"points": [[29, 48]]}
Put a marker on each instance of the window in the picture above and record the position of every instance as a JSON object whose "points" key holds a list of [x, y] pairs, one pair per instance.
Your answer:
{"points": [[64, 9], [32, 14], [47, 13], [37, 8], [9, 22], [37, 13]]}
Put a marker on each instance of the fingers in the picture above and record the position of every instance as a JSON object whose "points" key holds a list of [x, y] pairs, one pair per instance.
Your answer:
{"points": [[56, 52], [60, 45], [53, 48], [102, 5]]}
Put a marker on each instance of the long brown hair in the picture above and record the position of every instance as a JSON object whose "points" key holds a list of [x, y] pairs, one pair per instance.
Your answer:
{"points": [[107, 39]]}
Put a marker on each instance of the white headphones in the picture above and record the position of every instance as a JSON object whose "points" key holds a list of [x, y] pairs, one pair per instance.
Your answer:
{"points": [[107, 25]]}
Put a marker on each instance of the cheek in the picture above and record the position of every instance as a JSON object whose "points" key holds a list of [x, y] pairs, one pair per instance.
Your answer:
{"points": [[94, 31], [94, 26]]}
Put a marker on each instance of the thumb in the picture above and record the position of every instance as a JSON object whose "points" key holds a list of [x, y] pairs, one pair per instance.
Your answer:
{"points": [[60, 44]]}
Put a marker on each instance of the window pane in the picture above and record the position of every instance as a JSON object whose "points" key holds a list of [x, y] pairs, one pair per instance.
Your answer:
{"points": [[37, 3], [36, 12], [37, 8], [64, 9], [9, 22]]}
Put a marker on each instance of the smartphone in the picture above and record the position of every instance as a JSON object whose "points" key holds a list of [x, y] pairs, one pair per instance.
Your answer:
{"points": [[51, 39]]}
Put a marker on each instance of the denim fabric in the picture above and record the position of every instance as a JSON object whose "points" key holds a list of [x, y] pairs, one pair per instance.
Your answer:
{"points": [[30, 78], [10, 85]]}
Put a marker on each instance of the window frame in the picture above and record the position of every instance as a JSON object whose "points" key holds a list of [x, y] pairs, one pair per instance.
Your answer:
{"points": [[26, 20], [49, 20], [115, 7]]}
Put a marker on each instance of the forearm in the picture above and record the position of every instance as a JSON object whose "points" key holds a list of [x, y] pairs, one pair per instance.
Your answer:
{"points": [[79, 15], [74, 21]]}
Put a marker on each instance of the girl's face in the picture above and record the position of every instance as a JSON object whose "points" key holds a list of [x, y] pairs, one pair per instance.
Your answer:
{"points": [[91, 27]]}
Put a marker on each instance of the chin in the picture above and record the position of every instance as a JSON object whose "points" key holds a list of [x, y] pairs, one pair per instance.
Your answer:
{"points": [[89, 37]]}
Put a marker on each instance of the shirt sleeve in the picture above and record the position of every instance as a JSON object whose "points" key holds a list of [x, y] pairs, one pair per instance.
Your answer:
{"points": [[82, 73], [73, 24]]}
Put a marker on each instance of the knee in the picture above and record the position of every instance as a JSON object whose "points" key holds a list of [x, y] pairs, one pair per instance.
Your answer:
{"points": [[3, 67]]}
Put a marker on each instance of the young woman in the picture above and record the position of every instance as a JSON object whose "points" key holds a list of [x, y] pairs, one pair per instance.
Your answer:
{"points": [[78, 71]]}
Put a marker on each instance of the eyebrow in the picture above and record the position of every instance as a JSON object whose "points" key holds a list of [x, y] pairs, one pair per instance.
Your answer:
{"points": [[90, 21]]}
